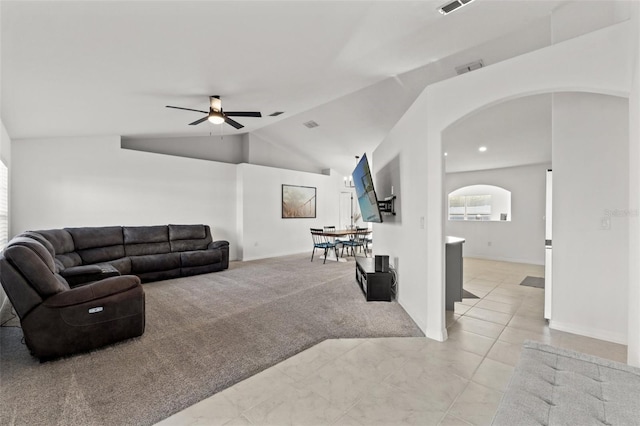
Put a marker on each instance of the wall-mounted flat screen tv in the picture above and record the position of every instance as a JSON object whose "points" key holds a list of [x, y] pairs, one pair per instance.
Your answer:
{"points": [[365, 192]]}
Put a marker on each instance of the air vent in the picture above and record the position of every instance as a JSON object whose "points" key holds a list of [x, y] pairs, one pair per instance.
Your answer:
{"points": [[311, 124], [450, 7], [275, 114], [472, 66]]}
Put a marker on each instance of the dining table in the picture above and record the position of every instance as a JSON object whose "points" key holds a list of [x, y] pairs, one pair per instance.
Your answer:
{"points": [[346, 233]]}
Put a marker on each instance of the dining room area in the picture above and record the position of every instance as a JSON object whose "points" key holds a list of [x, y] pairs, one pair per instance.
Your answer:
{"points": [[331, 243]]}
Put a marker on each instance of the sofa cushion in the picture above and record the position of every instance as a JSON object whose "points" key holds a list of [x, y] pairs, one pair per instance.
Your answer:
{"points": [[101, 254], [98, 244], [41, 239], [155, 262], [145, 234], [189, 237], [146, 277], [35, 263], [123, 265], [200, 258], [187, 232], [69, 260], [39, 251], [90, 237], [22, 295], [144, 240], [144, 249], [63, 246], [188, 245], [94, 291], [60, 239], [88, 273]]}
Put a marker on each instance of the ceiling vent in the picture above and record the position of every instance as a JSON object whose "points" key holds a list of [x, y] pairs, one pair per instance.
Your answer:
{"points": [[454, 5], [275, 114], [311, 124], [472, 66]]}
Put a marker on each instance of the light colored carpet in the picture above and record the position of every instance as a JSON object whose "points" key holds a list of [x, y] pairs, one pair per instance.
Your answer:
{"points": [[203, 334]]}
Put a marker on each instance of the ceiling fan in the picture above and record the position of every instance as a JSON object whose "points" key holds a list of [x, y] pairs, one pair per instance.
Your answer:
{"points": [[216, 115]]}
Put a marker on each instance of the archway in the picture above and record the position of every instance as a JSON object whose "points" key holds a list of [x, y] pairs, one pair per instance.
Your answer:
{"points": [[559, 68]]}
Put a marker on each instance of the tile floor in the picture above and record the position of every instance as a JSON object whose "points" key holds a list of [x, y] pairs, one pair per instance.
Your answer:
{"points": [[405, 381]]}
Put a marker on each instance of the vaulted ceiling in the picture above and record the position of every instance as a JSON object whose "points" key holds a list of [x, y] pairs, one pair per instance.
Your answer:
{"points": [[110, 67]]}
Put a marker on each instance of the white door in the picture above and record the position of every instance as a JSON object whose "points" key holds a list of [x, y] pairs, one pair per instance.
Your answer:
{"points": [[345, 210], [548, 270]]}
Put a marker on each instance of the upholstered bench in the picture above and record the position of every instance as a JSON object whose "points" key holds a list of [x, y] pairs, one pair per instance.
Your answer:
{"points": [[554, 386]]}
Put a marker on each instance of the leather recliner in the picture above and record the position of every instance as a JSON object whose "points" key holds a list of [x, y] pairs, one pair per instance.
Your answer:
{"points": [[58, 319]]}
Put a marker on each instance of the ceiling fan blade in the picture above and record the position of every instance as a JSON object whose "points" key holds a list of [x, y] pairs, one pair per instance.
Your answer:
{"points": [[233, 123], [199, 121], [187, 109], [243, 114]]}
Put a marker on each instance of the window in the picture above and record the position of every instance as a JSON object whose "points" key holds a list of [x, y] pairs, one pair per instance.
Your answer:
{"points": [[4, 205], [457, 207], [470, 207], [480, 203]]}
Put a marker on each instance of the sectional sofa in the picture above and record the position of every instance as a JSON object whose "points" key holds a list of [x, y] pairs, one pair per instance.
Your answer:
{"points": [[151, 252], [76, 289]]}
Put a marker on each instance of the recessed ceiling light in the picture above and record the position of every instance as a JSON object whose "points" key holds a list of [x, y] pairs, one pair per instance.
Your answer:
{"points": [[445, 154], [482, 149]]}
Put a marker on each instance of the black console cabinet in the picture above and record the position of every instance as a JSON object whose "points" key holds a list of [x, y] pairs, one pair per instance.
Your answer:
{"points": [[376, 286]]}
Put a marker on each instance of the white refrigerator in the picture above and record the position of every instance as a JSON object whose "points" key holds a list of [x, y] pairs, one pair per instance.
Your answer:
{"points": [[548, 275]]}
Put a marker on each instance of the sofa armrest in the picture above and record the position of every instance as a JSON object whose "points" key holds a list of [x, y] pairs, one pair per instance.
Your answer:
{"points": [[77, 275], [93, 291], [218, 244]]}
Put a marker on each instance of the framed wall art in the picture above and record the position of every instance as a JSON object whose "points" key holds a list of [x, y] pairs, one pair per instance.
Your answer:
{"points": [[298, 202]]}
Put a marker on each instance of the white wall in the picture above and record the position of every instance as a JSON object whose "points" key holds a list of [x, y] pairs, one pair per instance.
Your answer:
{"points": [[93, 182], [576, 18], [633, 353], [226, 149], [399, 163], [265, 152], [598, 62], [264, 232], [590, 183], [522, 238]]}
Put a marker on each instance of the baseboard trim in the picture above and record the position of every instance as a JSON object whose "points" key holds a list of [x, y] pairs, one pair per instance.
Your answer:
{"points": [[288, 253], [438, 335], [504, 259], [605, 335]]}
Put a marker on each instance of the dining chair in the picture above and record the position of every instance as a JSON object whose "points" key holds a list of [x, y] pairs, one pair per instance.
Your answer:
{"points": [[358, 240], [337, 241], [368, 240], [321, 241]]}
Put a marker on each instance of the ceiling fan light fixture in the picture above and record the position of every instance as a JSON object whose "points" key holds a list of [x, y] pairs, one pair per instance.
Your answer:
{"points": [[215, 117], [215, 102]]}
